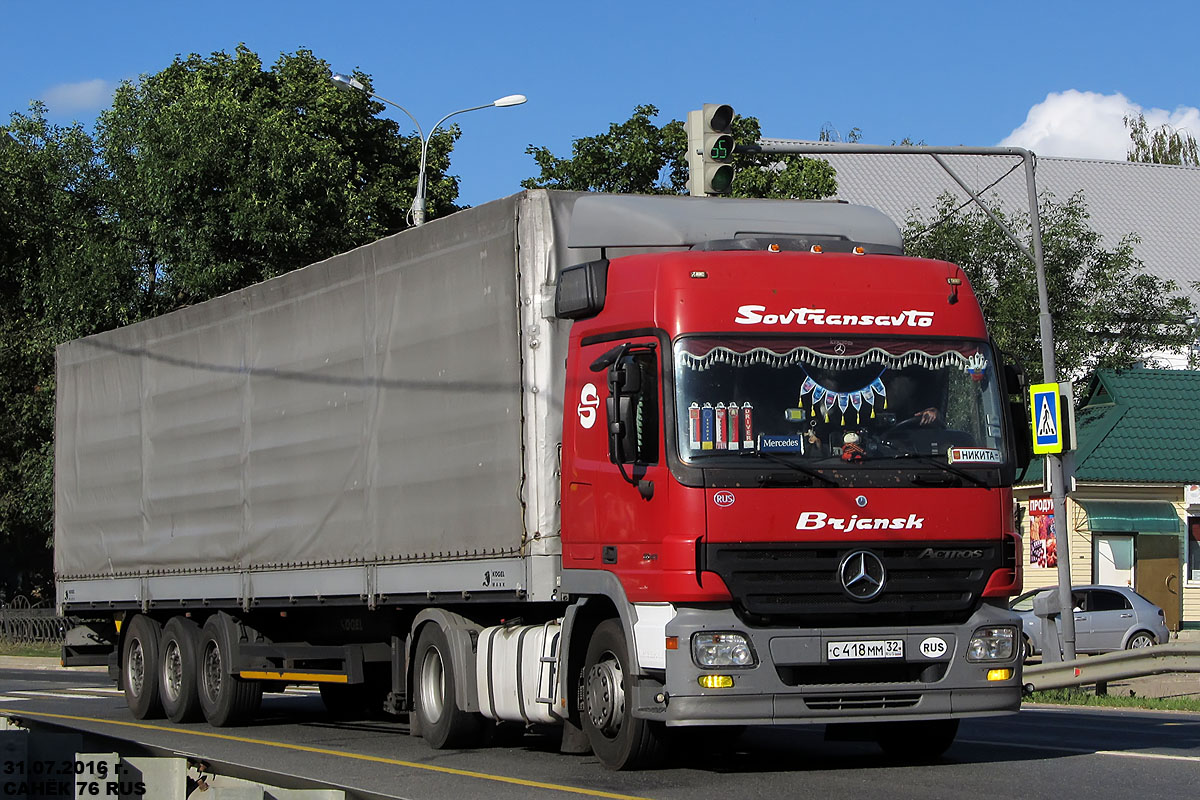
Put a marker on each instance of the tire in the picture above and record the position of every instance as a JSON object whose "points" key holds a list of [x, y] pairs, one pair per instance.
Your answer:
{"points": [[443, 724], [917, 741], [139, 667], [1029, 653], [225, 699], [620, 740], [1139, 640], [177, 670]]}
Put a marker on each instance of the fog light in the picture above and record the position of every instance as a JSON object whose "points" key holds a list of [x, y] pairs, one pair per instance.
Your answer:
{"points": [[999, 674], [716, 681]]}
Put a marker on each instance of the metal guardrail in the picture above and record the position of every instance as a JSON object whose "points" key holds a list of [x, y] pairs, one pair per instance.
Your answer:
{"points": [[22, 624], [1157, 660]]}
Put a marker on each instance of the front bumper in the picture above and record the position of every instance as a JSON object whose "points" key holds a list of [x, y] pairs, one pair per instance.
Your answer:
{"points": [[794, 682]]}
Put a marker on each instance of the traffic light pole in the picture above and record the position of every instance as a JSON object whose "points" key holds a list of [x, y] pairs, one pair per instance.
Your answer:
{"points": [[1054, 462]]}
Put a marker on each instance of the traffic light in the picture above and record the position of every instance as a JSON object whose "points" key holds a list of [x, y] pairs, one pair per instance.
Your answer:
{"points": [[710, 150]]}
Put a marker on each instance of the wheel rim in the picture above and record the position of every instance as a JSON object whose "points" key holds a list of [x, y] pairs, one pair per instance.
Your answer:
{"points": [[1140, 641], [135, 669], [172, 671], [211, 673], [606, 695], [433, 685]]}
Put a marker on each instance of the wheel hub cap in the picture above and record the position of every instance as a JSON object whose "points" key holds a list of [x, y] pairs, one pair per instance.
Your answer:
{"points": [[606, 696]]}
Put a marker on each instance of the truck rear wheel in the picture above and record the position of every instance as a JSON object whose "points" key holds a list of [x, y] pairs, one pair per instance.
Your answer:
{"points": [[225, 699], [443, 724], [619, 739], [918, 740], [177, 670], [139, 667]]}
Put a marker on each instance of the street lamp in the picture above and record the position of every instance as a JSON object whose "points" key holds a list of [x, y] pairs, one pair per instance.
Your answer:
{"points": [[418, 207]]}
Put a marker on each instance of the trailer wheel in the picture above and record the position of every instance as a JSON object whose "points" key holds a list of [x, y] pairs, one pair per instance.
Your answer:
{"points": [[177, 670], [443, 724], [919, 740], [225, 699], [619, 739], [139, 667]]}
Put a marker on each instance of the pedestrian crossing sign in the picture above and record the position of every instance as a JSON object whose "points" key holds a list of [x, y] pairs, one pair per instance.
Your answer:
{"points": [[1047, 423]]}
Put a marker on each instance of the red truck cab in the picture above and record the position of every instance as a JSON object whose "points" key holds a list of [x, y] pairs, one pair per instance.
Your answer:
{"points": [[790, 456]]}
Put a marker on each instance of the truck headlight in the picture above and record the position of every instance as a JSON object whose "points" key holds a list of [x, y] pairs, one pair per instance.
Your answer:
{"points": [[722, 650], [992, 644]]}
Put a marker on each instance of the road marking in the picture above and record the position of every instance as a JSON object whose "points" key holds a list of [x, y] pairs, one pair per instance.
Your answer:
{"points": [[483, 776], [1083, 751], [64, 695]]}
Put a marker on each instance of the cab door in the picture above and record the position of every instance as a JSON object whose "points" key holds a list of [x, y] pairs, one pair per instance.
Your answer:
{"points": [[616, 484]]}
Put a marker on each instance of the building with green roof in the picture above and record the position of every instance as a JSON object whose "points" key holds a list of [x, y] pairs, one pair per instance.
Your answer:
{"points": [[1134, 503]]}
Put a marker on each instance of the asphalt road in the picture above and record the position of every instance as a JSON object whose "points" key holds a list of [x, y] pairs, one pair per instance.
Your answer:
{"points": [[1043, 751]]}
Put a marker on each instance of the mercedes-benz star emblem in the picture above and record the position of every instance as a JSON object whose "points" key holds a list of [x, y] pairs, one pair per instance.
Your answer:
{"points": [[862, 575]]}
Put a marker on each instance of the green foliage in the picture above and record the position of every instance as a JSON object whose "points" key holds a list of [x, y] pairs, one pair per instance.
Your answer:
{"points": [[1163, 145], [59, 278], [1078, 697], [227, 173], [201, 179], [639, 156], [1106, 310]]}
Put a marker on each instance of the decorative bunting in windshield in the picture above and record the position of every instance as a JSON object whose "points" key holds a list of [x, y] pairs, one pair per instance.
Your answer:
{"points": [[827, 399]]}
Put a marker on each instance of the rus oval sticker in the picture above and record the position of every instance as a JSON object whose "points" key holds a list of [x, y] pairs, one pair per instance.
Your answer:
{"points": [[723, 499], [933, 647]]}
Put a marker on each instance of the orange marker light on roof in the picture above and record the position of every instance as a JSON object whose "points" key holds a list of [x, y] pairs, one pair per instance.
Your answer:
{"points": [[816, 248], [773, 248], [860, 250]]}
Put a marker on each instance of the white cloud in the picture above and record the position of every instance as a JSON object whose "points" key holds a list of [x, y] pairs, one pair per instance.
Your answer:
{"points": [[1078, 124], [83, 96]]}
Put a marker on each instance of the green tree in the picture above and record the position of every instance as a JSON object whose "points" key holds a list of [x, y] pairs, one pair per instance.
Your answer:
{"points": [[202, 178], [639, 156], [1107, 311], [61, 276], [1163, 145], [227, 174]]}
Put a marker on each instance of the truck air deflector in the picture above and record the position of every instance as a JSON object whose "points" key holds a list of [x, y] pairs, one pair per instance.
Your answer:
{"points": [[664, 221]]}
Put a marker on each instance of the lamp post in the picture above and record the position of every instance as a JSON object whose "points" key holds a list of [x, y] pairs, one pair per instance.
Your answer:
{"points": [[418, 207]]}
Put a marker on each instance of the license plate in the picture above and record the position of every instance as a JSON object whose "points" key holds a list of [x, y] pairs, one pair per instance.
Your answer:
{"points": [[877, 648]]}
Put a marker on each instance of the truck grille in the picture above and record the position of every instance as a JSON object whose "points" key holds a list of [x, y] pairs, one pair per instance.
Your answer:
{"points": [[798, 583], [862, 702]]}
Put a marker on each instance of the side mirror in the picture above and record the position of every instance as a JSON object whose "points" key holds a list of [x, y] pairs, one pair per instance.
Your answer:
{"points": [[624, 382], [1018, 414]]}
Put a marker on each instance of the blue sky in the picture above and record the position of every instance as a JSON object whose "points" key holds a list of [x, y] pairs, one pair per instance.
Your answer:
{"points": [[946, 72]]}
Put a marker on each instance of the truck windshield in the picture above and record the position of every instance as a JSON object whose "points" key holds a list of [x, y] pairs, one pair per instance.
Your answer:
{"points": [[862, 401]]}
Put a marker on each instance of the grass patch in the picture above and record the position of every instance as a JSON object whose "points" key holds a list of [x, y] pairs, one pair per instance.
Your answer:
{"points": [[1078, 697], [30, 650]]}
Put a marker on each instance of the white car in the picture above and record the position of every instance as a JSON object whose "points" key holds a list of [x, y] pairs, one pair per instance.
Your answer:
{"points": [[1107, 618]]}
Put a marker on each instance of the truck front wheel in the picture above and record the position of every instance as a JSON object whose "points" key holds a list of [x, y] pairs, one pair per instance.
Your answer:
{"points": [[225, 699], [619, 739], [443, 724], [139, 667]]}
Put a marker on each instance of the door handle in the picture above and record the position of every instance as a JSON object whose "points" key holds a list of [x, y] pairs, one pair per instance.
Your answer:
{"points": [[1126, 616]]}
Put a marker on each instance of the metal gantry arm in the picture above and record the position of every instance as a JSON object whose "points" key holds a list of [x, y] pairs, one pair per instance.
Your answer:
{"points": [[1054, 462]]}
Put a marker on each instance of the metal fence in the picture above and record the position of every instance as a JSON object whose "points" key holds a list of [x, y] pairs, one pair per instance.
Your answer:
{"points": [[21, 623]]}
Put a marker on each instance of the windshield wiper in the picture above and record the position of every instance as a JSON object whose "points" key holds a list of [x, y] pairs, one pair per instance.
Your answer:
{"points": [[792, 465], [942, 465]]}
